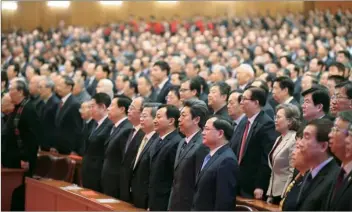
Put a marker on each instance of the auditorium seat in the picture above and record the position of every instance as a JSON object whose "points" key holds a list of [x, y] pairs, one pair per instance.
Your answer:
{"points": [[244, 208], [62, 169], [43, 166]]}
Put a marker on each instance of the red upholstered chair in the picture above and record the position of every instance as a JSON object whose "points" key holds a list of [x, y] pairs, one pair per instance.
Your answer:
{"points": [[63, 169], [244, 208], [43, 166]]}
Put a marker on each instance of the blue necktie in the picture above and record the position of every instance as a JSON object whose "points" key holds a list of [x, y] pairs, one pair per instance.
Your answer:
{"points": [[206, 159]]}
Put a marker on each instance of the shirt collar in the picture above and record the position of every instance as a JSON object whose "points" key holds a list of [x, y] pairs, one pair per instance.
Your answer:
{"points": [[46, 100], [87, 121], [163, 137], [136, 128], [149, 135], [251, 120], [212, 152], [348, 167], [190, 137], [239, 119], [119, 122], [317, 169], [101, 120], [161, 85], [64, 99], [288, 100]]}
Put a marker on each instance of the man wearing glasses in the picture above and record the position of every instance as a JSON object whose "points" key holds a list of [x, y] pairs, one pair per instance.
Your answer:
{"points": [[339, 197]]}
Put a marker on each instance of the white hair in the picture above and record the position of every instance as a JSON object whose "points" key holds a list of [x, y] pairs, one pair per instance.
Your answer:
{"points": [[106, 86], [247, 68]]}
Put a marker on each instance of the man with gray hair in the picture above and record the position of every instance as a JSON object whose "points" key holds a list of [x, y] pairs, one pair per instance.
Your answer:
{"points": [[48, 113], [177, 65], [105, 86], [79, 91], [219, 74], [34, 93], [245, 74]]}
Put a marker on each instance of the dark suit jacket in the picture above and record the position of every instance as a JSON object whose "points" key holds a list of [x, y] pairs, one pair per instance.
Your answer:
{"points": [[38, 104], [297, 89], [162, 171], [114, 150], [187, 165], [313, 197], [140, 175], [93, 159], [126, 166], [269, 110], [341, 201], [47, 120], [161, 98], [216, 184], [69, 127], [152, 97], [294, 102], [255, 170], [91, 88], [87, 130], [29, 133], [223, 113]]}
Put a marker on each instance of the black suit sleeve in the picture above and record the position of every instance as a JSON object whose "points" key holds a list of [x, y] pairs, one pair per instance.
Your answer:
{"points": [[77, 127], [268, 136], [226, 185]]}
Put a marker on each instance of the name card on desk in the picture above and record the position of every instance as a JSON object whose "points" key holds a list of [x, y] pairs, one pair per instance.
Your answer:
{"points": [[71, 188], [107, 200]]}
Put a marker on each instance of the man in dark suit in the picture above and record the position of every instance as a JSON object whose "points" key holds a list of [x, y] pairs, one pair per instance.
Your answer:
{"points": [[268, 109], [22, 130], [88, 124], [68, 121], [47, 116], [235, 112], [131, 148], [160, 73], [256, 137], [316, 104], [163, 157], [340, 192], [283, 91], [114, 146], [145, 88], [190, 89], [217, 99], [314, 147], [35, 94], [189, 156], [141, 163], [217, 181], [91, 83], [93, 159]]}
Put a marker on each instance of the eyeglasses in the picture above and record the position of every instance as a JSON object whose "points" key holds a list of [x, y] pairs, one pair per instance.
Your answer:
{"points": [[184, 90], [335, 129], [337, 96], [245, 98]]}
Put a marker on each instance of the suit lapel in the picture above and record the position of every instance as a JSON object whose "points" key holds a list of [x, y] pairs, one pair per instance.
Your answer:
{"points": [[100, 128], [163, 143], [187, 149], [63, 110], [115, 132], [346, 183], [279, 147], [239, 131], [146, 148], [211, 161]]}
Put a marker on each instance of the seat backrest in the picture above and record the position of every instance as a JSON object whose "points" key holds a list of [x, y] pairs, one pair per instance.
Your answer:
{"points": [[63, 169], [244, 208], [43, 166]]}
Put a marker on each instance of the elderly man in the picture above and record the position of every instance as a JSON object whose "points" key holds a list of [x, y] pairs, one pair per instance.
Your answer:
{"points": [[79, 91], [7, 107], [34, 93], [177, 65], [245, 74], [219, 74], [105, 86], [342, 99]]}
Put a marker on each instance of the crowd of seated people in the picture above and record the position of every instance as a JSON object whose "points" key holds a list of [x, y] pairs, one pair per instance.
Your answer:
{"points": [[187, 115]]}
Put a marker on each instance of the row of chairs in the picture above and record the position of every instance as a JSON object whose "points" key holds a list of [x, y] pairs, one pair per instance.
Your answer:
{"points": [[55, 167]]}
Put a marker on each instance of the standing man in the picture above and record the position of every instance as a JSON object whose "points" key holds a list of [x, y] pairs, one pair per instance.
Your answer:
{"points": [[47, 118], [160, 73], [236, 113], [163, 157], [115, 145], [141, 163], [256, 139], [339, 197], [68, 120], [283, 91], [217, 99], [22, 146], [88, 124], [216, 183], [314, 147], [93, 159], [316, 104], [189, 156], [131, 148]]}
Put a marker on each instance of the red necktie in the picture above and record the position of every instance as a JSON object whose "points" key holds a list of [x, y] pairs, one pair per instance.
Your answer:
{"points": [[61, 104], [339, 181], [243, 143]]}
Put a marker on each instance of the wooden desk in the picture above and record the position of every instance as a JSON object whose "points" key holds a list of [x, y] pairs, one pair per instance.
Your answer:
{"points": [[257, 204], [10, 179], [48, 195]]}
